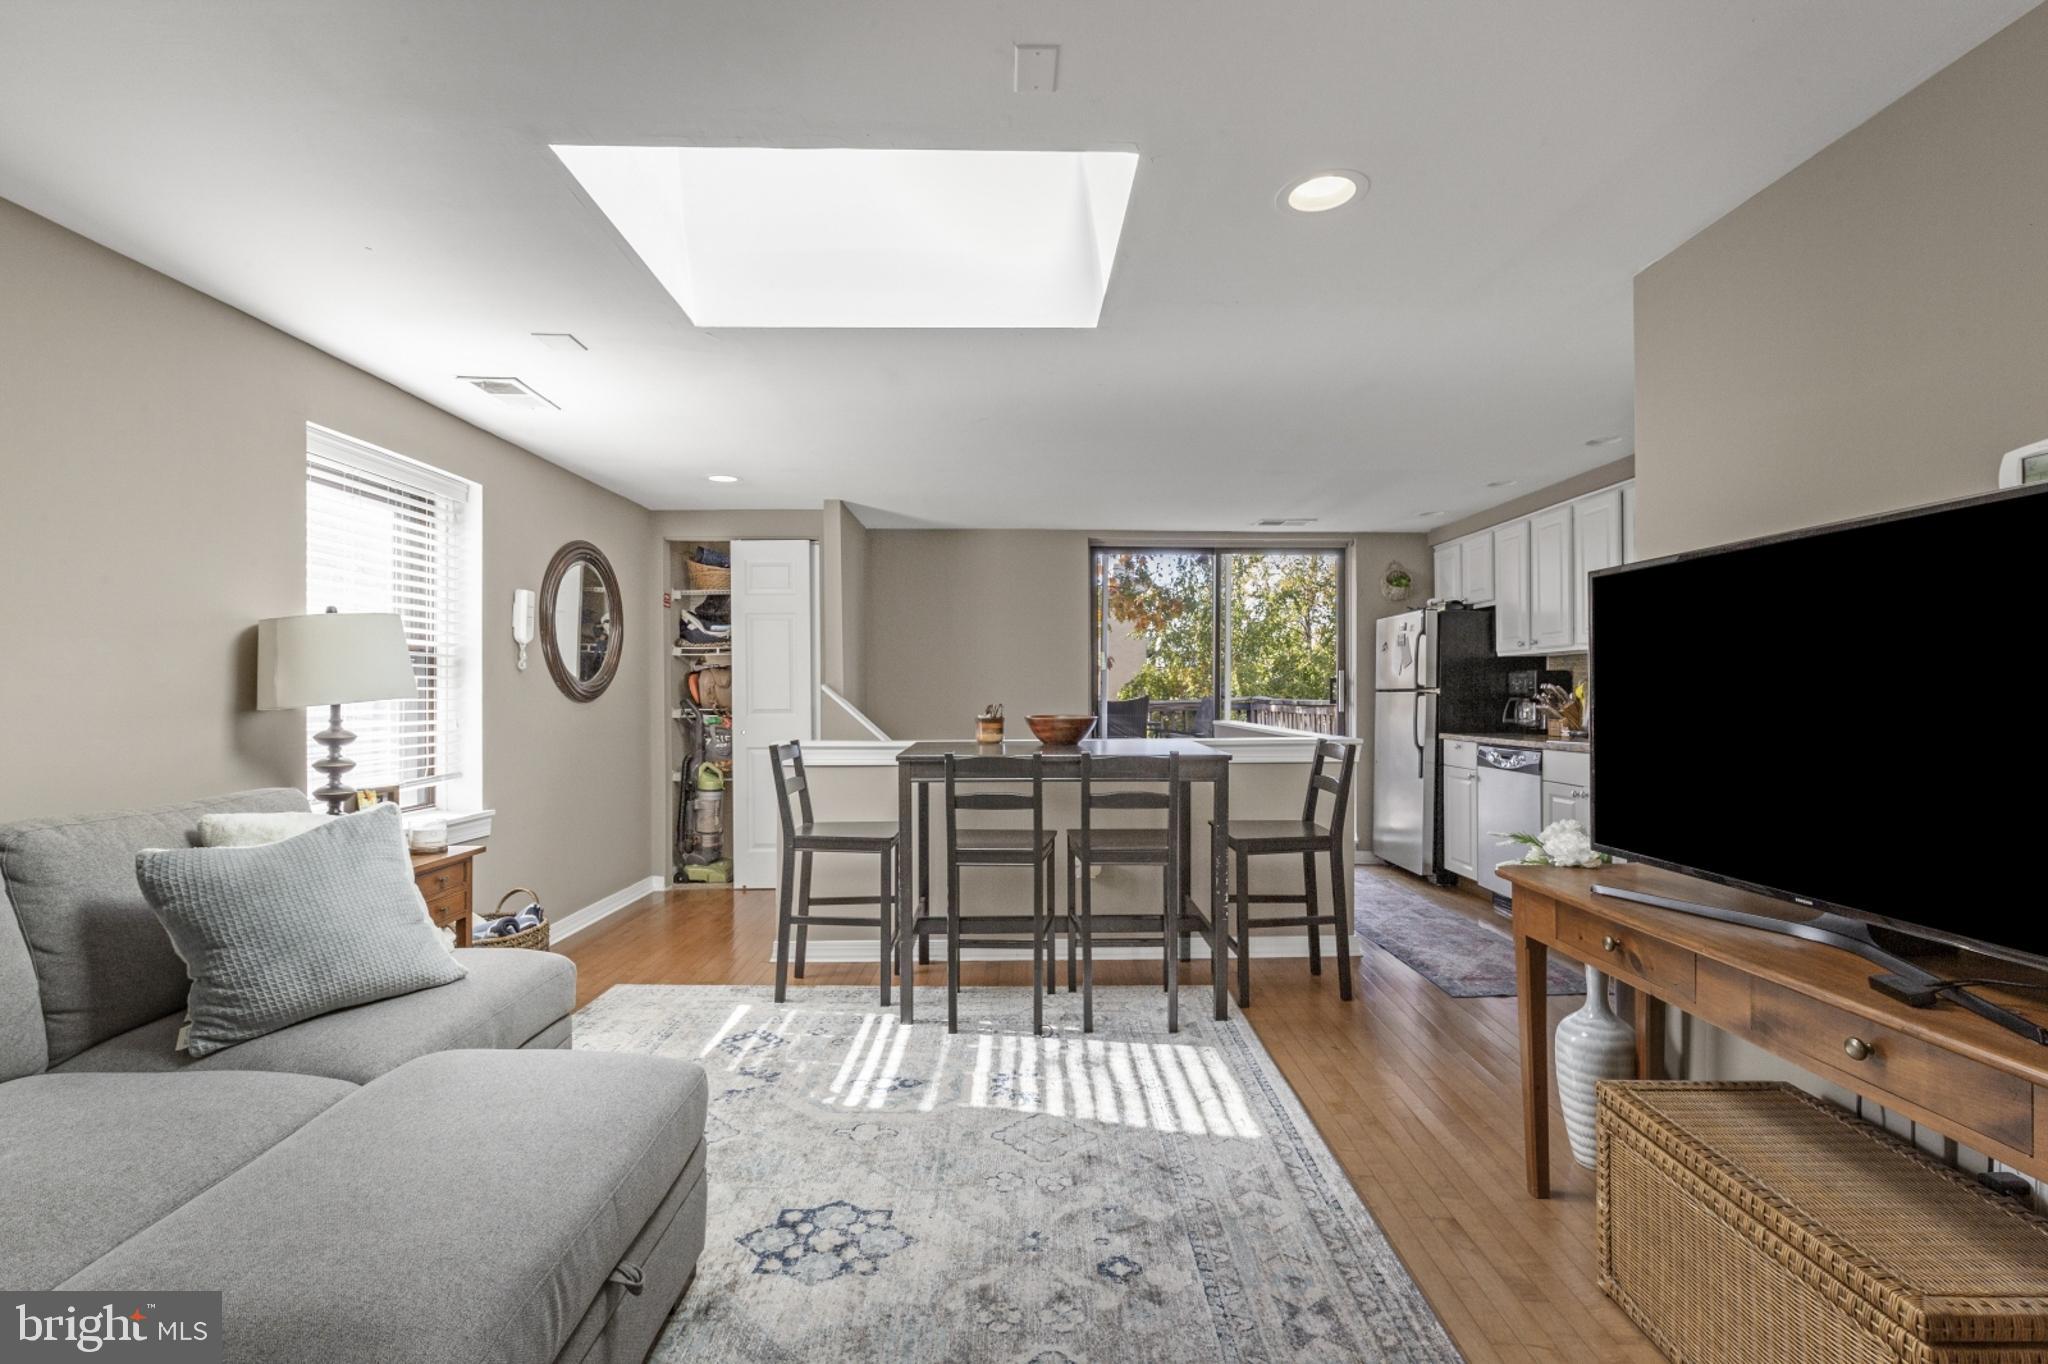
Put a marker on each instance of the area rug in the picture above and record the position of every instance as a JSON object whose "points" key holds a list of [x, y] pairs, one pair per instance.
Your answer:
{"points": [[880, 1192], [1458, 954]]}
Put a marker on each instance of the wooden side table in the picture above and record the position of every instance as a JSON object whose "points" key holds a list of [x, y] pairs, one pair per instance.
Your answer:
{"points": [[447, 882]]}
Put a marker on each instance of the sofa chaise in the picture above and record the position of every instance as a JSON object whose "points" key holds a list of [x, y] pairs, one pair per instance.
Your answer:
{"points": [[435, 1177]]}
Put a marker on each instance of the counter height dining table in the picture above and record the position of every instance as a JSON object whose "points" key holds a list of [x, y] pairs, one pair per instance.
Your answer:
{"points": [[923, 763]]}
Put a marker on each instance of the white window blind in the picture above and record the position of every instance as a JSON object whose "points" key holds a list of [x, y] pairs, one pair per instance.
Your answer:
{"points": [[386, 533]]}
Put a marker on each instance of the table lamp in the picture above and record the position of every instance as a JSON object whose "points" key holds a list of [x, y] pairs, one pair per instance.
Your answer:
{"points": [[332, 660]]}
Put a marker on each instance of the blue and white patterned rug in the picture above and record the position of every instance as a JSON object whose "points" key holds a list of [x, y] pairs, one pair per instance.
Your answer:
{"points": [[888, 1193]]}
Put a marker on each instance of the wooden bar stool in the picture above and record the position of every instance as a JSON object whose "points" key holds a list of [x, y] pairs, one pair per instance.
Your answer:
{"points": [[1091, 846], [1244, 839], [968, 846], [803, 837]]}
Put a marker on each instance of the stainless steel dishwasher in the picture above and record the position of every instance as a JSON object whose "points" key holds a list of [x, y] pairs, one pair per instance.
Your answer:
{"points": [[1510, 801]]}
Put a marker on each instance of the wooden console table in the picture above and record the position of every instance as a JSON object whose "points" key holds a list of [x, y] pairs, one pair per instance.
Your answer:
{"points": [[1806, 1002]]}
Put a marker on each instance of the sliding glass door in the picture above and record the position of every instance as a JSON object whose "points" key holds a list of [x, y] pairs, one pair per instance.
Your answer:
{"points": [[1187, 636]]}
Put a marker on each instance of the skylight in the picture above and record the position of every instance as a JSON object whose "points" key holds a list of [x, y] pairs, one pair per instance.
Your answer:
{"points": [[788, 237]]}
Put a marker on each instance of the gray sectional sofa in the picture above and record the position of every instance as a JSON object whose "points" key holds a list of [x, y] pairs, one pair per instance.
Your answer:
{"points": [[435, 1177]]}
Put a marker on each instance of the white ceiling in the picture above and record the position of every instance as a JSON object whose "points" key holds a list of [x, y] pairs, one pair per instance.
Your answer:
{"points": [[374, 176]]}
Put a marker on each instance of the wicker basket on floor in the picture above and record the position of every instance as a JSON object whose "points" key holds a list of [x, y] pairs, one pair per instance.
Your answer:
{"points": [[535, 938], [706, 578], [1750, 1223]]}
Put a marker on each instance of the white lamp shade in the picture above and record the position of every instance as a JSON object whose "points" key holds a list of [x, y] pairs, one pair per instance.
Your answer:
{"points": [[331, 660]]}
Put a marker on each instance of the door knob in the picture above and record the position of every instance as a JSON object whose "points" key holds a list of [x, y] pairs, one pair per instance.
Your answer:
{"points": [[1611, 943], [1856, 1049]]}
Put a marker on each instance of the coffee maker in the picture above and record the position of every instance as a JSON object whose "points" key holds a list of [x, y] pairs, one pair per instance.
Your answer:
{"points": [[1521, 713]]}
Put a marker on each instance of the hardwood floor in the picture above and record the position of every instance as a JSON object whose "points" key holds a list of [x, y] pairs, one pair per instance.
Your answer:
{"points": [[1414, 1091]]}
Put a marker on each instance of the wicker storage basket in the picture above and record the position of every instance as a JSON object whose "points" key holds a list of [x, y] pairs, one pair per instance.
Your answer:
{"points": [[704, 577], [1746, 1223], [535, 938]]}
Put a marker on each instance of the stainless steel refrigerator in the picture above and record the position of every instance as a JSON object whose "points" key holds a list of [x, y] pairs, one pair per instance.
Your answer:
{"points": [[1434, 671]]}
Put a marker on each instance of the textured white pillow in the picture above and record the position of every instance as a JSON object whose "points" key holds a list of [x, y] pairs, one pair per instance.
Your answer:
{"points": [[252, 830]]}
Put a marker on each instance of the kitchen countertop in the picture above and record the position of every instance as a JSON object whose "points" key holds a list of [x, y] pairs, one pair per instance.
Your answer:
{"points": [[1525, 739]]}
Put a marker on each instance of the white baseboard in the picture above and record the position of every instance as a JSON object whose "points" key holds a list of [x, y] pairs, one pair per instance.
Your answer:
{"points": [[603, 909], [856, 950]]}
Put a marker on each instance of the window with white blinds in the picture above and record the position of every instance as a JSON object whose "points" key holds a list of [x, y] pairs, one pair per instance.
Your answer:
{"points": [[387, 533]]}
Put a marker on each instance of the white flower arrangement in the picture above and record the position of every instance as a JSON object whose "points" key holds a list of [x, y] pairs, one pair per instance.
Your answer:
{"points": [[1563, 844]]}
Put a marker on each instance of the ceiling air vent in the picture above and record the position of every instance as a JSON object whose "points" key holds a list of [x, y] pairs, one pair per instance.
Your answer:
{"points": [[508, 390], [1285, 521]]}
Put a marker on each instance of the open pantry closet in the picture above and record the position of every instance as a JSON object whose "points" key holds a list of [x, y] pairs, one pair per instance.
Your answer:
{"points": [[742, 676]]}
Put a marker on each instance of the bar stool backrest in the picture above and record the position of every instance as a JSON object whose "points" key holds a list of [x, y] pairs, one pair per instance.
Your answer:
{"points": [[959, 769], [1120, 774], [787, 785], [1345, 757]]}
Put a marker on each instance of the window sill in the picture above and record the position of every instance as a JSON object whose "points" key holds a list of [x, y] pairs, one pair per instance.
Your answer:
{"points": [[471, 826]]}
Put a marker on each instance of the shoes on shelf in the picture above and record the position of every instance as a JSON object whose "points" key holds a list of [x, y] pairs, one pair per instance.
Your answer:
{"points": [[696, 630]]}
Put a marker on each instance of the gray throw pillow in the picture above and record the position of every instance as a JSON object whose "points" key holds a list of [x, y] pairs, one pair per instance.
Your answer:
{"points": [[281, 933]]}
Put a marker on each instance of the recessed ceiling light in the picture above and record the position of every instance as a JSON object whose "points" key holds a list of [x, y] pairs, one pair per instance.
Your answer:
{"points": [[559, 341], [1325, 190], [1504, 483], [868, 237], [723, 478], [1603, 440], [1429, 513]]}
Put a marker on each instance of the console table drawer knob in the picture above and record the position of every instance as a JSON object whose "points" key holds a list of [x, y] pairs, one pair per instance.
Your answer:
{"points": [[1856, 1049], [1611, 943]]}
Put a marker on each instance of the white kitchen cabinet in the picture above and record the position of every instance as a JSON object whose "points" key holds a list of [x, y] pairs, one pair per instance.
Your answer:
{"points": [[1461, 810], [1447, 580], [1464, 569], [1511, 589], [1565, 802], [1596, 544], [1567, 788], [1550, 580], [1628, 522], [1477, 553]]}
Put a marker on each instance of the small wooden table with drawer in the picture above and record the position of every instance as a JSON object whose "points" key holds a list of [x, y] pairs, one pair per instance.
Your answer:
{"points": [[445, 879], [1806, 1002]]}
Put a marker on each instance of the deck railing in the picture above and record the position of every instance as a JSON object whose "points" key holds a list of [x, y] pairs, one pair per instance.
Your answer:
{"points": [[1197, 717], [1315, 717]]}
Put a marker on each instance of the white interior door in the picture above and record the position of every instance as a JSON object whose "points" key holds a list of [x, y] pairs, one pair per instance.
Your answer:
{"points": [[774, 678]]}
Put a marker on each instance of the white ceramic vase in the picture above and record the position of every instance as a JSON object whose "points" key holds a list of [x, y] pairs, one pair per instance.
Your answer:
{"points": [[1592, 1045]]}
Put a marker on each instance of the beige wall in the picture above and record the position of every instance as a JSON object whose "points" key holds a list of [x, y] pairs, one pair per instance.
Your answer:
{"points": [[152, 509], [1866, 334], [1869, 332], [843, 579], [959, 618]]}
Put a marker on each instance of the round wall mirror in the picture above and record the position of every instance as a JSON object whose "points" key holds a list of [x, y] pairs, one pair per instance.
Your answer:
{"points": [[582, 620]]}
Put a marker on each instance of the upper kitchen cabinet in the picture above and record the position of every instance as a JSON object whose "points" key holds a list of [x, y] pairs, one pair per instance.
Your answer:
{"points": [[1511, 589], [1597, 543], [1478, 567], [1534, 569], [1551, 586], [1447, 572], [1464, 569]]}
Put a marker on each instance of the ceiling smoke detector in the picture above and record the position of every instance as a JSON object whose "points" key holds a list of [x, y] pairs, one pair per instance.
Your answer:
{"points": [[506, 389], [1285, 521]]}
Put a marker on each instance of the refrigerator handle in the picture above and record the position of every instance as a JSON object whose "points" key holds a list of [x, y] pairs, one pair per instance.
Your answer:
{"points": [[1422, 700], [1425, 672]]}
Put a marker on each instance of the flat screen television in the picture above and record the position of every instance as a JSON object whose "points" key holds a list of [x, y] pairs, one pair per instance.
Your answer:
{"points": [[1853, 717]]}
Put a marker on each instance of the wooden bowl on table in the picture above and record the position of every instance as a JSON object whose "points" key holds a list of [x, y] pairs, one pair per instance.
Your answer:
{"points": [[1060, 731]]}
